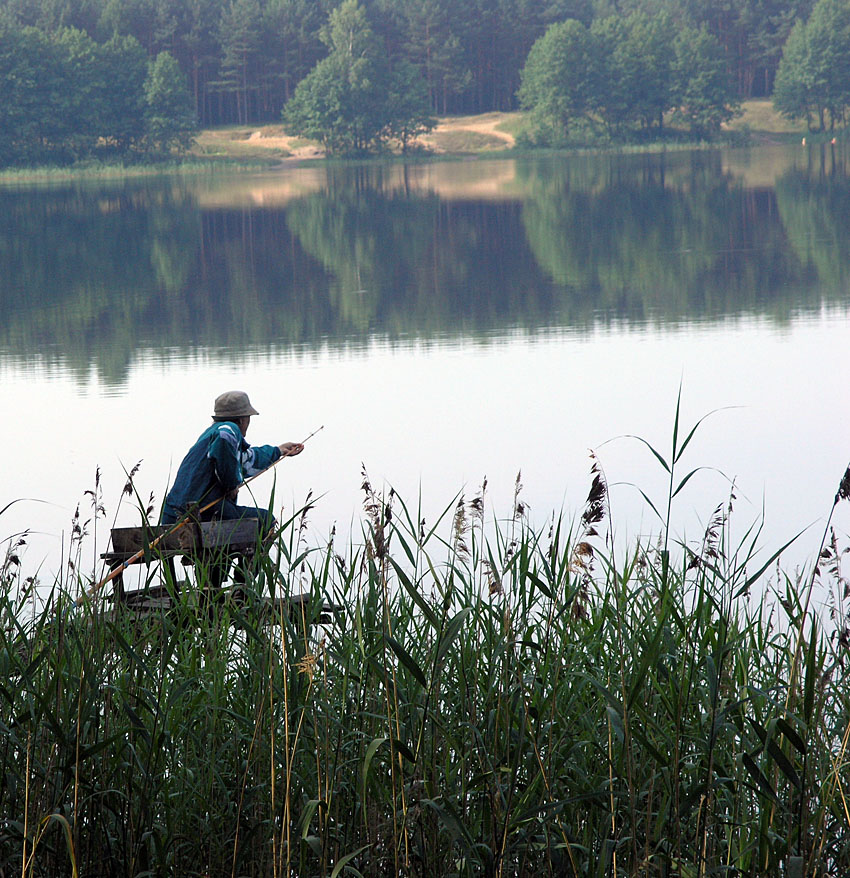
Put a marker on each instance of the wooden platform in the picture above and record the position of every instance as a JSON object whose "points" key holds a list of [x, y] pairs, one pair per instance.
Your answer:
{"points": [[157, 599]]}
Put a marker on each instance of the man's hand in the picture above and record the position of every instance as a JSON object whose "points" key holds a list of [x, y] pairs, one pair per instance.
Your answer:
{"points": [[290, 449]]}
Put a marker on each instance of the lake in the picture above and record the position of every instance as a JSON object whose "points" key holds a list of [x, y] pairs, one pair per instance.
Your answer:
{"points": [[443, 322]]}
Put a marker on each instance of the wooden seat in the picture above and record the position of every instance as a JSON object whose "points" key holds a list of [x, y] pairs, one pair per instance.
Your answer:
{"points": [[212, 543], [215, 543]]}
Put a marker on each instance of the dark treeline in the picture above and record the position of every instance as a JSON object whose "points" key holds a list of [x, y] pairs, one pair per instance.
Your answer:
{"points": [[96, 276], [242, 59], [66, 97]]}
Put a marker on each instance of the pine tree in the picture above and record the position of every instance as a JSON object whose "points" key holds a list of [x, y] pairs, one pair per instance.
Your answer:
{"points": [[240, 33]]}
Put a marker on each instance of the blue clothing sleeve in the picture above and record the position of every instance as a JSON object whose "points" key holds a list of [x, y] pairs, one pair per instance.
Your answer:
{"points": [[256, 458], [235, 460]]}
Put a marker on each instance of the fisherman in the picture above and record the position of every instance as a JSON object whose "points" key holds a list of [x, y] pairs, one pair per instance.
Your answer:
{"points": [[219, 462]]}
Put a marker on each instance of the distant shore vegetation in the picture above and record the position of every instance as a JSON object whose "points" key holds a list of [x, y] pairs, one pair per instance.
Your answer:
{"points": [[491, 134], [131, 81], [68, 99]]}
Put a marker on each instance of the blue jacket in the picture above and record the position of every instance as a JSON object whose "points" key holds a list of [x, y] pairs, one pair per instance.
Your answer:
{"points": [[215, 465]]}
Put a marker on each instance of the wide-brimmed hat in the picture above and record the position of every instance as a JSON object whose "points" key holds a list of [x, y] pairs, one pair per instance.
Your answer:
{"points": [[233, 404]]}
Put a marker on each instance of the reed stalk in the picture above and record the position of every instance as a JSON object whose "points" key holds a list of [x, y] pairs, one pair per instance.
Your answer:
{"points": [[491, 700]]}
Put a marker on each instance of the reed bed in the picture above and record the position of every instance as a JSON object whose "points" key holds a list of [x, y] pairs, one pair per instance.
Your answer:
{"points": [[493, 700]]}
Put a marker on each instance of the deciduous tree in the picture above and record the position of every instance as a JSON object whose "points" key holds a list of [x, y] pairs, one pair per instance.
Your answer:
{"points": [[793, 93], [559, 83], [124, 67], [705, 98], [407, 105], [635, 81], [169, 115], [351, 101], [813, 80]]}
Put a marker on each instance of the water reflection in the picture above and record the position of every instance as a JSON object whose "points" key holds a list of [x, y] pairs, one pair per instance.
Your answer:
{"points": [[91, 275], [639, 243], [445, 322]]}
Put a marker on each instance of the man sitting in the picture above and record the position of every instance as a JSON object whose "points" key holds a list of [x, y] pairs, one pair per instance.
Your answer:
{"points": [[212, 471]]}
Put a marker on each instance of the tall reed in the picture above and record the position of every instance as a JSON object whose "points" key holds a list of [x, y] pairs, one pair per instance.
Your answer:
{"points": [[492, 700]]}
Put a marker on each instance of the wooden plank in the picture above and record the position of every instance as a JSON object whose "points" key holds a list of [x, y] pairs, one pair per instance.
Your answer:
{"points": [[129, 540], [235, 534], [157, 599]]}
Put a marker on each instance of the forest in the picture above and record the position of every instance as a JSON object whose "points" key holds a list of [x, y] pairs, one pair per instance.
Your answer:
{"points": [[74, 72], [244, 58]]}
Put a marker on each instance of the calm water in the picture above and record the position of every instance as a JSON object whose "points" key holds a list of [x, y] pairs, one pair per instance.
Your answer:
{"points": [[444, 322]]}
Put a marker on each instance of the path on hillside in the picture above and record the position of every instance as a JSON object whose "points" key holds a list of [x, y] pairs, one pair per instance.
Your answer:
{"points": [[487, 123]]}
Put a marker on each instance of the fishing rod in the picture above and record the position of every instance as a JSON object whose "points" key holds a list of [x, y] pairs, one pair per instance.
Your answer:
{"points": [[187, 519]]}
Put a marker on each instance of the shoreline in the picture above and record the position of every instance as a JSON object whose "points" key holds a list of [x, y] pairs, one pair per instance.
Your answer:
{"points": [[489, 135]]}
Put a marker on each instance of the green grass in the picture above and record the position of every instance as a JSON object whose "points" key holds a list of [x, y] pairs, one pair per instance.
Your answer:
{"points": [[234, 144], [512, 123], [494, 700], [760, 116], [757, 116], [193, 164], [463, 141]]}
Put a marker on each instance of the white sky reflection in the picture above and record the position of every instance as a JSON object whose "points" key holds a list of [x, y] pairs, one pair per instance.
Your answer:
{"points": [[436, 419]]}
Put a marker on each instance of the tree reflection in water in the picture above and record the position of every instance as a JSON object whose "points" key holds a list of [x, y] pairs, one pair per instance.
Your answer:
{"points": [[90, 275]]}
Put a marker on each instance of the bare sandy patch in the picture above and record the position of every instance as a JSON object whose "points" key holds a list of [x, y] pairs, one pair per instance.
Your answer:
{"points": [[453, 134], [452, 129], [274, 138]]}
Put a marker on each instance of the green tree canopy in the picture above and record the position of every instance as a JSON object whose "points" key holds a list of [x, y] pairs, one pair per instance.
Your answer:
{"points": [[635, 81], [705, 97], [351, 101], [793, 95], [813, 80], [124, 66], [32, 73], [559, 84], [169, 115], [67, 97], [626, 74], [245, 58], [407, 104], [64, 96]]}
